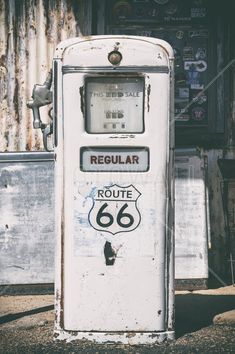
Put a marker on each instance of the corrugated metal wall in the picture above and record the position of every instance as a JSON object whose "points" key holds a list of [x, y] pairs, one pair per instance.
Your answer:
{"points": [[29, 33]]}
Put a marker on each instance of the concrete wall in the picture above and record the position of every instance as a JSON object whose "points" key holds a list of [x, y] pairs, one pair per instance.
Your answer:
{"points": [[27, 239]]}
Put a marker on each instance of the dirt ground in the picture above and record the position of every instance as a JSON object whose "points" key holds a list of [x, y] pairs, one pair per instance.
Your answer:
{"points": [[26, 326]]}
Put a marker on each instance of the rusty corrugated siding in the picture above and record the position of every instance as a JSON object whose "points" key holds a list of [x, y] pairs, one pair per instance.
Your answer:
{"points": [[29, 33]]}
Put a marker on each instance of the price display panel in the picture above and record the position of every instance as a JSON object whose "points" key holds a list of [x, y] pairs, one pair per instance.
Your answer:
{"points": [[114, 105]]}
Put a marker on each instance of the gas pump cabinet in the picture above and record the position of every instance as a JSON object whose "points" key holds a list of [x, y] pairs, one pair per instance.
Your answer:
{"points": [[113, 138]]}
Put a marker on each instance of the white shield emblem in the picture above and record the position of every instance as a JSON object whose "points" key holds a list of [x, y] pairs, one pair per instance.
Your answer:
{"points": [[115, 209]]}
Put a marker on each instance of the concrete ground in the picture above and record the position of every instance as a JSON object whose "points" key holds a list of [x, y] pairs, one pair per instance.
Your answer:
{"points": [[205, 323]]}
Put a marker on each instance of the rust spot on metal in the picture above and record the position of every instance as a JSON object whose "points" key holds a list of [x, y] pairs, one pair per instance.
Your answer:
{"points": [[57, 297], [61, 299], [131, 334], [109, 253], [81, 91], [28, 147], [3, 61], [155, 335], [116, 46], [6, 136], [148, 96], [15, 100]]}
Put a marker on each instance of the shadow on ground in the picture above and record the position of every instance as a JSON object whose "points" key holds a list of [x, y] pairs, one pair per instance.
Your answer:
{"points": [[194, 311]]}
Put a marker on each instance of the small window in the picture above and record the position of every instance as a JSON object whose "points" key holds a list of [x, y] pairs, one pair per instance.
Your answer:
{"points": [[114, 105]]}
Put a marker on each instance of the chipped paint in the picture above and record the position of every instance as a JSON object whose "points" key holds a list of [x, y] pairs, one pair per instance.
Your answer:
{"points": [[129, 338], [148, 94]]}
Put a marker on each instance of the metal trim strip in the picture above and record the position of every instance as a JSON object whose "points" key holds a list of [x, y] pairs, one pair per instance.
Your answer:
{"points": [[26, 156], [188, 152], [55, 95], [66, 69]]}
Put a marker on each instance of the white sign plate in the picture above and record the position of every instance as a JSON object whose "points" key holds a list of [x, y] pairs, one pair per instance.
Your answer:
{"points": [[114, 159], [115, 209]]}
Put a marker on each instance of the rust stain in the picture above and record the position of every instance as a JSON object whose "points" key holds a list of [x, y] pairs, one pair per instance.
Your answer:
{"points": [[116, 46], [148, 95], [30, 32], [130, 334], [156, 335], [82, 104], [16, 100], [62, 268]]}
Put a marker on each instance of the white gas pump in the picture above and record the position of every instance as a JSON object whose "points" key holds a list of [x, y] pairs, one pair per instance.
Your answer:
{"points": [[113, 133]]}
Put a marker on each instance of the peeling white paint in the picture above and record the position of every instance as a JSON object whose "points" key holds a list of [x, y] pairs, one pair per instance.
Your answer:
{"points": [[128, 338]]}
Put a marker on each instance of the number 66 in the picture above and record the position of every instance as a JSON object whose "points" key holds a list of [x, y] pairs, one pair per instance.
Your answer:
{"points": [[120, 216]]}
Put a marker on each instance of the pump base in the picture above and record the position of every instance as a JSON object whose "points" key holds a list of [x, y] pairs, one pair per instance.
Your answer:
{"points": [[130, 338]]}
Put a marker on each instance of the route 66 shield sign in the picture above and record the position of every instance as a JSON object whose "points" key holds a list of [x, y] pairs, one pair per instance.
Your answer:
{"points": [[115, 209]]}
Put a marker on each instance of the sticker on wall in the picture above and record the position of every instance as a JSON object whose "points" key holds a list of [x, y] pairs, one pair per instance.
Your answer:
{"points": [[182, 95], [199, 65], [199, 98], [188, 53], [181, 115], [181, 104], [183, 92], [179, 34], [198, 34], [194, 78], [180, 78], [198, 12], [201, 53], [198, 113], [153, 13], [115, 209], [197, 85]]}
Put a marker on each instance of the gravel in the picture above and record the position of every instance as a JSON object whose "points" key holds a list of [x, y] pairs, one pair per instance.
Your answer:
{"points": [[212, 339], [27, 326]]}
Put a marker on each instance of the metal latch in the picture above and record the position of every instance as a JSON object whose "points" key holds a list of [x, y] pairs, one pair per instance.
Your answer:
{"points": [[41, 96]]}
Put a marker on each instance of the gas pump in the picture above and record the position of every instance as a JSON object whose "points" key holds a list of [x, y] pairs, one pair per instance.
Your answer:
{"points": [[113, 136]]}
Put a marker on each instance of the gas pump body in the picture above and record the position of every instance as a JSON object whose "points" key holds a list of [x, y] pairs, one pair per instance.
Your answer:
{"points": [[113, 134]]}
